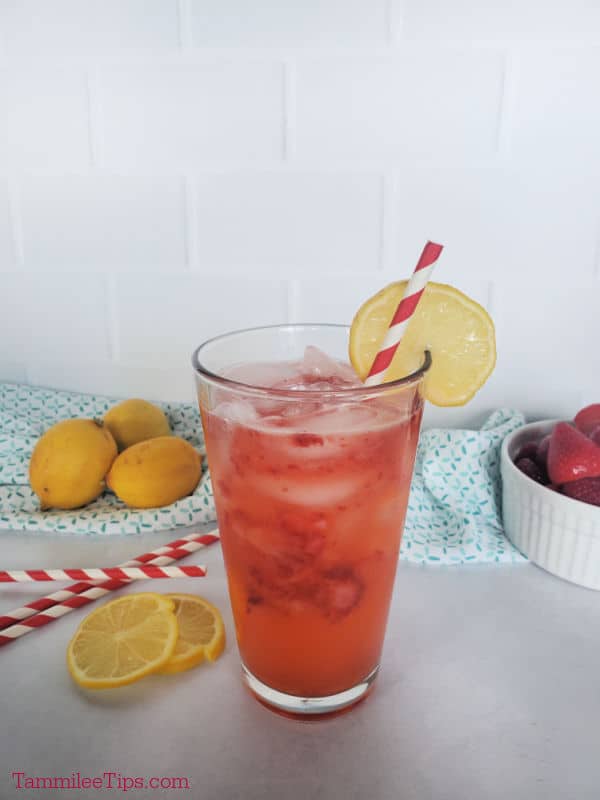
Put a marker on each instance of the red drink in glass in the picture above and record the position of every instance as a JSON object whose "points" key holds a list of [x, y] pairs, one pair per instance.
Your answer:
{"points": [[311, 475]]}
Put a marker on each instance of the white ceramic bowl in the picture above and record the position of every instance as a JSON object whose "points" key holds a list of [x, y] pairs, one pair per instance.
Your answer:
{"points": [[557, 533]]}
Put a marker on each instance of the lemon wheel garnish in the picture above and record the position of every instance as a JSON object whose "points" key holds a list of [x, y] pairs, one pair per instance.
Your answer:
{"points": [[201, 633], [457, 331], [122, 641]]}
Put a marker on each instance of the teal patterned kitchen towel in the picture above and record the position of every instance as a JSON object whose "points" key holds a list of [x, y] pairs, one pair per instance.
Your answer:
{"points": [[27, 411], [454, 513]]}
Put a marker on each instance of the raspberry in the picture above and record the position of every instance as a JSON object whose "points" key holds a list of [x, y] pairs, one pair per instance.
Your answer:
{"points": [[531, 469], [528, 450], [542, 452]]}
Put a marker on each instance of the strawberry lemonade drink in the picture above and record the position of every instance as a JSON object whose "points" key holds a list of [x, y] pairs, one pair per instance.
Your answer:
{"points": [[311, 472]]}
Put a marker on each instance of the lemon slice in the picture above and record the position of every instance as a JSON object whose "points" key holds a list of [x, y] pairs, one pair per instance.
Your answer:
{"points": [[122, 641], [201, 633], [457, 331]]}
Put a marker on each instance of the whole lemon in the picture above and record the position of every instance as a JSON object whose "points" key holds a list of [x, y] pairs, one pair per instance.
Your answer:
{"points": [[155, 473], [69, 462], [134, 421]]}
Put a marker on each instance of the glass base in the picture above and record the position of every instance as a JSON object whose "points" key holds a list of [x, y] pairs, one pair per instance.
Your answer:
{"points": [[308, 708]]}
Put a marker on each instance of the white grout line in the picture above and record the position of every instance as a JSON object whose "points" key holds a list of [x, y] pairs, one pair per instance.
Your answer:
{"points": [[387, 228], [507, 105], [184, 21], [16, 222], [112, 318], [490, 299], [90, 126], [191, 224], [293, 296], [394, 22], [596, 262], [289, 112], [94, 118]]}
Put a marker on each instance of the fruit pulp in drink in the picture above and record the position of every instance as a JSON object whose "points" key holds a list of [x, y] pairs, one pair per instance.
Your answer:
{"points": [[311, 492]]}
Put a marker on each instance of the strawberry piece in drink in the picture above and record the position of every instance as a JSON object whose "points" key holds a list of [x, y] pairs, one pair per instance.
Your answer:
{"points": [[338, 592]]}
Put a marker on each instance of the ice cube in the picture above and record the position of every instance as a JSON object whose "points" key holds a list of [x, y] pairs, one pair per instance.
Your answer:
{"points": [[315, 371], [309, 493], [236, 411], [344, 418], [263, 373], [318, 364]]}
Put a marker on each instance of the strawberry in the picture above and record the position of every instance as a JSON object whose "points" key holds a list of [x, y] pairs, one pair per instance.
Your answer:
{"points": [[339, 590], [588, 418], [585, 489], [571, 455]]}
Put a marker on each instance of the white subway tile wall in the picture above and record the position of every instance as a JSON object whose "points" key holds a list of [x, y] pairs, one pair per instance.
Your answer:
{"points": [[415, 105], [554, 106], [311, 23], [551, 373], [161, 319], [493, 20], [171, 169], [118, 222], [295, 223], [46, 315], [502, 222], [38, 28], [183, 116], [47, 121]]}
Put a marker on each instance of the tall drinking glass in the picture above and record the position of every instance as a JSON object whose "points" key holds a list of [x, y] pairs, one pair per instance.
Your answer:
{"points": [[311, 474]]}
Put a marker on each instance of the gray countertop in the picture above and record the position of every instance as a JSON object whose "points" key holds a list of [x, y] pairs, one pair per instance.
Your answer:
{"points": [[489, 688]]}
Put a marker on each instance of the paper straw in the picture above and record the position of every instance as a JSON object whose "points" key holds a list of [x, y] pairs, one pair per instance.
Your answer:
{"points": [[402, 316], [92, 593], [144, 572], [166, 554]]}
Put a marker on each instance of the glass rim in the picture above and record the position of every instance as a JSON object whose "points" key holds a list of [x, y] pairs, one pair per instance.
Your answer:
{"points": [[353, 391]]}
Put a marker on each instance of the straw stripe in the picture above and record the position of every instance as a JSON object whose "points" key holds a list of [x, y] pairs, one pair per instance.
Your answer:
{"points": [[97, 574], [404, 312], [406, 308]]}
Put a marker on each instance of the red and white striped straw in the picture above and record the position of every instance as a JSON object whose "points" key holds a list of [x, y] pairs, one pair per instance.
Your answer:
{"points": [[166, 554], [142, 572], [44, 610], [402, 316]]}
